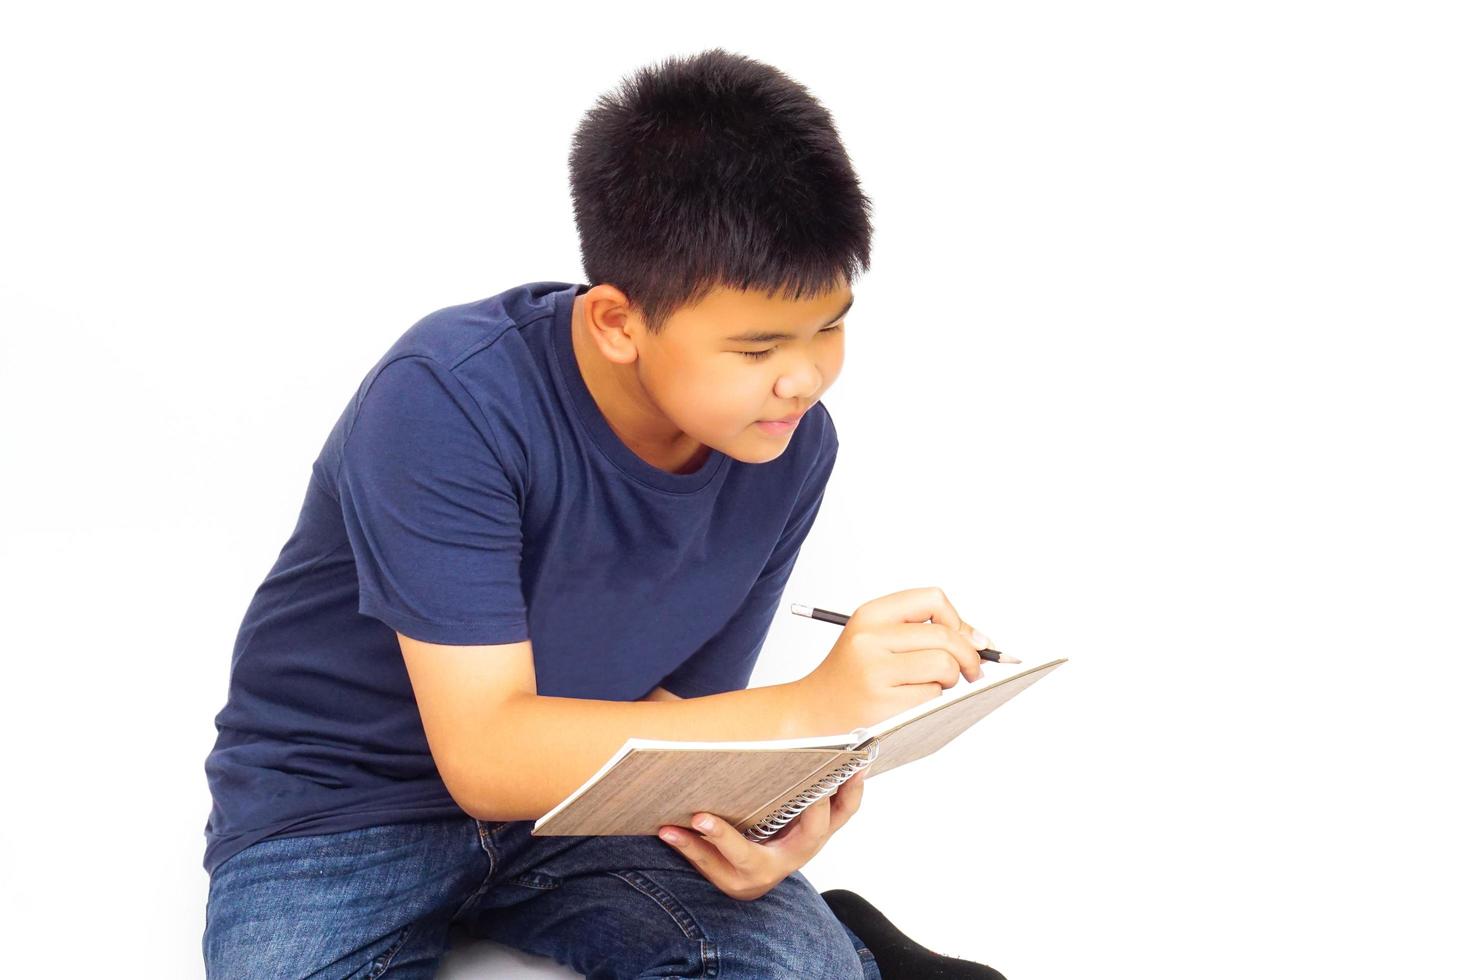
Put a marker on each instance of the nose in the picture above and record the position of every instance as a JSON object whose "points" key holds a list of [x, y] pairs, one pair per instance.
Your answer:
{"points": [[801, 384]]}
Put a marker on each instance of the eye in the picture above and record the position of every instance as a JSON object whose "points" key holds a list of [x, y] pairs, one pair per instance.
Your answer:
{"points": [[759, 355]]}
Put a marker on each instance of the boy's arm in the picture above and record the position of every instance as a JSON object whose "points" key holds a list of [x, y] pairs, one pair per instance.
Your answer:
{"points": [[507, 753]]}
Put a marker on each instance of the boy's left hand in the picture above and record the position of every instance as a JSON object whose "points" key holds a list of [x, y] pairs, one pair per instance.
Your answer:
{"points": [[746, 870]]}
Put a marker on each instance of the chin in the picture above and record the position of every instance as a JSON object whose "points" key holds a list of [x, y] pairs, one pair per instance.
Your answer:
{"points": [[757, 453]]}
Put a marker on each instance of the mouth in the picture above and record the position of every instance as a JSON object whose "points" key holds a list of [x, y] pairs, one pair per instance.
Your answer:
{"points": [[778, 426]]}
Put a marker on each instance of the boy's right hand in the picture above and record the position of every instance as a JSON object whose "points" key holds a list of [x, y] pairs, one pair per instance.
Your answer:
{"points": [[888, 659]]}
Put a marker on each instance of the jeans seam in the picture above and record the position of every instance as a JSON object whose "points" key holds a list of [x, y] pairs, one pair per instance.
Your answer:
{"points": [[393, 951], [488, 846], [666, 901], [709, 951]]}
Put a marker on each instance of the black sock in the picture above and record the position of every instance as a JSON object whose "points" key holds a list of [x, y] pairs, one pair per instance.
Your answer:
{"points": [[898, 956]]}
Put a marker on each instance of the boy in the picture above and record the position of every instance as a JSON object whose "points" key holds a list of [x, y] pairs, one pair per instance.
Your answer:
{"points": [[625, 473]]}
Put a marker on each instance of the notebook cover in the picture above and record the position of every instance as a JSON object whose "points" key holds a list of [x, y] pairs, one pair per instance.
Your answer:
{"points": [[650, 788], [641, 789], [953, 713]]}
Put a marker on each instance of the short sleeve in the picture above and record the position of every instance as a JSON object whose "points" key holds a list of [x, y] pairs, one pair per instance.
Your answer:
{"points": [[726, 662], [432, 516]]}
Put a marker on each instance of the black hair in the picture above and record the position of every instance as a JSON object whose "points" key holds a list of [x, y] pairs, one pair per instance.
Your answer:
{"points": [[714, 170]]}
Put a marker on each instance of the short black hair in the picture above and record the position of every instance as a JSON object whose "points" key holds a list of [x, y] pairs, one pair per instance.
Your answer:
{"points": [[714, 170]]}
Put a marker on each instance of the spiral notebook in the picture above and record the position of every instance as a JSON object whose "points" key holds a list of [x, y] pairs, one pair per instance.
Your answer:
{"points": [[758, 787]]}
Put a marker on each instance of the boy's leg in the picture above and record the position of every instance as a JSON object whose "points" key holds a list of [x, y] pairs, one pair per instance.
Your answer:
{"points": [[360, 903], [632, 906]]}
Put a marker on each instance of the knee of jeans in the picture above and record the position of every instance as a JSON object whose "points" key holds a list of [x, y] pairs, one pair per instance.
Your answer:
{"points": [[815, 948], [641, 956]]}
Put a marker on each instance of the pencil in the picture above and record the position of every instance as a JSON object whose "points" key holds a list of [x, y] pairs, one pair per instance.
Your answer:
{"points": [[828, 616]]}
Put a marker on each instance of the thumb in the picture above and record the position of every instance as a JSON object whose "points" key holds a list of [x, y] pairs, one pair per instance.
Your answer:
{"points": [[911, 606]]}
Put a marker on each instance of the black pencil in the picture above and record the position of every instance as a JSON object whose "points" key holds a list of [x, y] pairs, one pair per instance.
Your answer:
{"points": [[827, 616]]}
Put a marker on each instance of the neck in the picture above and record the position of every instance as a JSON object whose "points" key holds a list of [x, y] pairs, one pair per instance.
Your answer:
{"points": [[630, 413]]}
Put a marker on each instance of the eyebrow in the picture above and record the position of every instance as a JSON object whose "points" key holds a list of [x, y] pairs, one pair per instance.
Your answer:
{"points": [[760, 337]]}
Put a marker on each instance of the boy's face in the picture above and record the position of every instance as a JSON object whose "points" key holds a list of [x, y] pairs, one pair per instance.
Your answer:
{"points": [[701, 382]]}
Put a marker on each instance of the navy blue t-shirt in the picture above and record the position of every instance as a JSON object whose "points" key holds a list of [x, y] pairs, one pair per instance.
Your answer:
{"points": [[472, 492]]}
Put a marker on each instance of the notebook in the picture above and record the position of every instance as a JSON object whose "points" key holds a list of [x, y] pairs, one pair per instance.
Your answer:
{"points": [[760, 786]]}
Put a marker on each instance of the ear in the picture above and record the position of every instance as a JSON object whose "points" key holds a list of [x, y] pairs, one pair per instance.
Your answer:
{"points": [[608, 319]]}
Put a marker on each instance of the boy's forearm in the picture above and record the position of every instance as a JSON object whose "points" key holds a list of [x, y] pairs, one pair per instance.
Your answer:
{"points": [[555, 744]]}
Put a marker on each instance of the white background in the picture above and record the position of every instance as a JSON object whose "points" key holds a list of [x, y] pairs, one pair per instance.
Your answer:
{"points": [[1160, 367]]}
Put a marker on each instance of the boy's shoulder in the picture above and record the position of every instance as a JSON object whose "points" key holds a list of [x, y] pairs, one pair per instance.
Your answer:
{"points": [[451, 335], [465, 365]]}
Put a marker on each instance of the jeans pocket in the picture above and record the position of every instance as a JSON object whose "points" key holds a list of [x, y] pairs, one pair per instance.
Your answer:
{"points": [[537, 880]]}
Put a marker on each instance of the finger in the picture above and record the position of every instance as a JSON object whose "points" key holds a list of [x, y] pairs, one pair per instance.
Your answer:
{"points": [[927, 667], [906, 696], [743, 855], [809, 832], [944, 610], [909, 606], [846, 801], [911, 637], [701, 853], [818, 817], [981, 641]]}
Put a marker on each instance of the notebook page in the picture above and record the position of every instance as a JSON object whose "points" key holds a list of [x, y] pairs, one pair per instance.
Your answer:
{"points": [[916, 733]]}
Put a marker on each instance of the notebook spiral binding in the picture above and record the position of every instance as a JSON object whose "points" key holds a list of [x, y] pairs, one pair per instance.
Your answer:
{"points": [[772, 825]]}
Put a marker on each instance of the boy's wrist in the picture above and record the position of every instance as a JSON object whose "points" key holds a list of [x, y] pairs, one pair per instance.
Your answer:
{"points": [[796, 719]]}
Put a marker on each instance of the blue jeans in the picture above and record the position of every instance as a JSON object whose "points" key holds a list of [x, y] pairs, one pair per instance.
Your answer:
{"points": [[382, 900]]}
